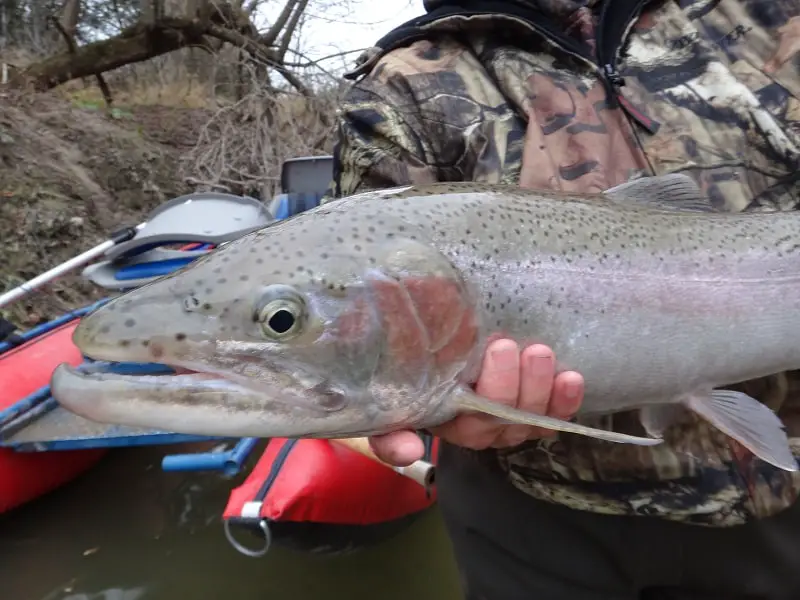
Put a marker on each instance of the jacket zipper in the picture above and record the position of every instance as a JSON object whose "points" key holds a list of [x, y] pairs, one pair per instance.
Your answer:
{"points": [[607, 57], [606, 64]]}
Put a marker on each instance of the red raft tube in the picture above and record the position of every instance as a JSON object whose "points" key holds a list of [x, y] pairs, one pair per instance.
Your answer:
{"points": [[323, 497], [26, 364]]}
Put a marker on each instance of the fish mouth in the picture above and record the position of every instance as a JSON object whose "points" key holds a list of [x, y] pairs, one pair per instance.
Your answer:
{"points": [[189, 402]]}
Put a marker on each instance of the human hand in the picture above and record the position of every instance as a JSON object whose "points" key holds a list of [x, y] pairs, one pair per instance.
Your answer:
{"points": [[525, 380]]}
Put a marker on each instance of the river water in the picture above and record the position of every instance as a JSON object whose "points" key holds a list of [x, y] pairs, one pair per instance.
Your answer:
{"points": [[126, 530]]}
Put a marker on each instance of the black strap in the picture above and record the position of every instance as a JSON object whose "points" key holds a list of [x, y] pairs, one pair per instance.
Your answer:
{"points": [[7, 335], [438, 10], [615, 18], [442, 9]]}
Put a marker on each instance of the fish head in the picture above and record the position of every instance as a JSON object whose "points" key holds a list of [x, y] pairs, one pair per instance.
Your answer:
{"points": [[316, 326]]}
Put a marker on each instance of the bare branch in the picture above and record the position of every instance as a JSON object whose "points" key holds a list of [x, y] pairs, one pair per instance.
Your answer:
{"points": [[68, 24], [251, 6], [73, 49], [260, 53], [315, 62], [271, 36], [243, 144], [290, 29]]}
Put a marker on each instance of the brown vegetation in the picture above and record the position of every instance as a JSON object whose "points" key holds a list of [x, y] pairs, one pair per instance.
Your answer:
{"points": [[94, 133]]}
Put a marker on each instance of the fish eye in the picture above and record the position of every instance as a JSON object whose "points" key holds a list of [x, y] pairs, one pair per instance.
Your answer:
{"points": [[280, 317]]}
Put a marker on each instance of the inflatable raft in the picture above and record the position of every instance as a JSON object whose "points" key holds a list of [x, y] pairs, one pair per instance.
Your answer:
{"points": [[316, 496], [26, 363], [326, 497]]}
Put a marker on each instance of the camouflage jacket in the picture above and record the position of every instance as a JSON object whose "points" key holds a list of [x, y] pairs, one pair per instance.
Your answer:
{"points": [[711, 88]]}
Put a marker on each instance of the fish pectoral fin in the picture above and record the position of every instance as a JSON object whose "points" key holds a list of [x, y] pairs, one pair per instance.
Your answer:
{"points": [[751, 423], [467, 400], [657, 418], [673, 191]]}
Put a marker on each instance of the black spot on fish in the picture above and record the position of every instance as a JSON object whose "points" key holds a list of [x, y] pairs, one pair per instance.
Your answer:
{"points": [[180, 336]]}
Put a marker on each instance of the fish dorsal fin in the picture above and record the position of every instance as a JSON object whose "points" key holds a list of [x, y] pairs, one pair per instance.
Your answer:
{"points": [[674, 191]]}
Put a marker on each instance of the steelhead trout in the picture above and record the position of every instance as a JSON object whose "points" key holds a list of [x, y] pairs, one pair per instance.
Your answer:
{"points": [[371, 314]]}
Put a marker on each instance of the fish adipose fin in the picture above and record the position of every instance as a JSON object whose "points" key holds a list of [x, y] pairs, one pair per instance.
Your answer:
{"points": [[466, 400], [664, 192], [751, 423]]}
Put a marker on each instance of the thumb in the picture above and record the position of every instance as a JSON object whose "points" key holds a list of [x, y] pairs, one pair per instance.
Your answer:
{"points": [[399, 448]]}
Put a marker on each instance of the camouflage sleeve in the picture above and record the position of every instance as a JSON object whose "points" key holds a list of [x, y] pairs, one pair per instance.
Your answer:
{"points": [[427, 112], [381, 138]]}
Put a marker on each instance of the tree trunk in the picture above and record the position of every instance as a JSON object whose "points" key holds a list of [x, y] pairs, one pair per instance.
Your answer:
{"points": [[69, 16], [149, 11], [136, 45]]}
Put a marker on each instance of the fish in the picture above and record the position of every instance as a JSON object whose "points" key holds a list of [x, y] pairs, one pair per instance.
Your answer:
{"points": [[371, 313]]}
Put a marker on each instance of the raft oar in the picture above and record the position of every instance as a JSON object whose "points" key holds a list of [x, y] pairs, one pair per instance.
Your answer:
{"points": [[116, 238], [420, 471]]}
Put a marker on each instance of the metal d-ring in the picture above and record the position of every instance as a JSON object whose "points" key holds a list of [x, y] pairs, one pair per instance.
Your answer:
{"points": [[262, 524]]}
